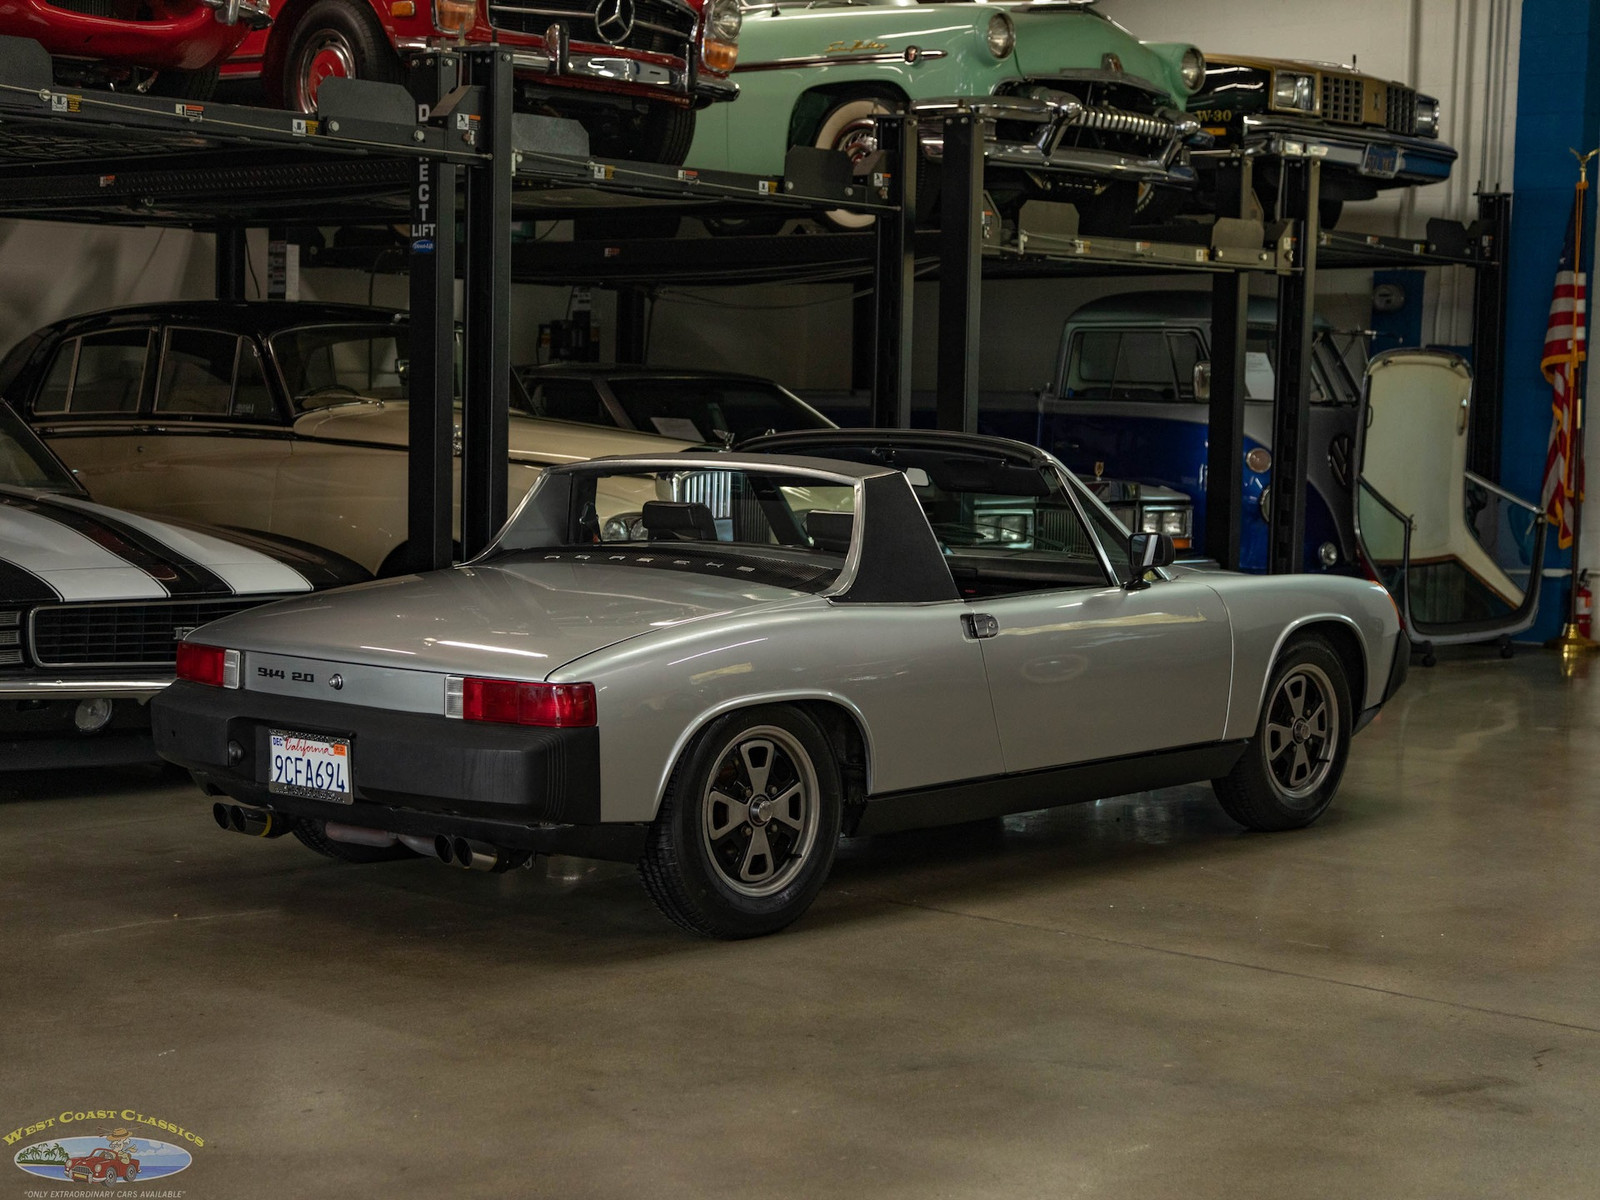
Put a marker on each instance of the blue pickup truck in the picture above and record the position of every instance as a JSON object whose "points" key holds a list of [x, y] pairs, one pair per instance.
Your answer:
{"points": [[1129, 400]]}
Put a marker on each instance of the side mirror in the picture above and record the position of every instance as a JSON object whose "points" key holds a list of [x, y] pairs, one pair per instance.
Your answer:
{"points": [[1146, 552], [1202, 381]]}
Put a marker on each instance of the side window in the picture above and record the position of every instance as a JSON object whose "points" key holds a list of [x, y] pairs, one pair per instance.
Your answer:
{"points": [[252, 401], [570, 400], [109, 376], [1113, 537], [1092, 363], [52, 397], [1186, 353], [209, 373], [197, 372], [1144, 367], [1121, 364]]}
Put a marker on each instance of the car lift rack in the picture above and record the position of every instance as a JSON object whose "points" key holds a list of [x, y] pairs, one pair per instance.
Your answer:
{"points": [[448, 147]]}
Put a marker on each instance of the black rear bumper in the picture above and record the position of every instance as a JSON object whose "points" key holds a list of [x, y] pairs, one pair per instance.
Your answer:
{"points": [[410, 772]]}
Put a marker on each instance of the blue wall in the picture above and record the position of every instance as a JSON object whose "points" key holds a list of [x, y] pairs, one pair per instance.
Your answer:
{"points": [[1558, 106]]}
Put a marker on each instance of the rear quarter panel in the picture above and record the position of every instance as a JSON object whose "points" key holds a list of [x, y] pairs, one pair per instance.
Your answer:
{"points": [[915, 686], [1266, 611]]}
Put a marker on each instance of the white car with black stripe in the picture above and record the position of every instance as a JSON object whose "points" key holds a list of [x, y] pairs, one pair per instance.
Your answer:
{"points": [[94, 600]]}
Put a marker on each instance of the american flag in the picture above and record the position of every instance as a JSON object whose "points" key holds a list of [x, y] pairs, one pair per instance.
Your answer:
{"points": [[1564, 348]]}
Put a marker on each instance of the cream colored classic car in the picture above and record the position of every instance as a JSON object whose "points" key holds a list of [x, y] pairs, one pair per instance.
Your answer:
{"points": [[289, 418]]}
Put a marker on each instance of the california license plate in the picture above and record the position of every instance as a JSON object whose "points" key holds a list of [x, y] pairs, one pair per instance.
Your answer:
{"points": [[312, 767], [1381, 161]]}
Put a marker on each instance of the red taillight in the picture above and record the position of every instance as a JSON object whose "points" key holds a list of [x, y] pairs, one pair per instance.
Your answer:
{"points": [[208, 664], [553, 705]]}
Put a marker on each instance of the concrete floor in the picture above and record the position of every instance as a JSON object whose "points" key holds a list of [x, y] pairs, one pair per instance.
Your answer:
{"points": [[1129, 999]]}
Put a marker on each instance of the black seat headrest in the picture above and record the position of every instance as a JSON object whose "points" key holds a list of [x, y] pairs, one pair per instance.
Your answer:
{"points": [[830, 530], [679, 521]]}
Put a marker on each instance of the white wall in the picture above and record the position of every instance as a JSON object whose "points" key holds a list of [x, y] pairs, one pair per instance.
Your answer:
{"points": [[49, 271]]}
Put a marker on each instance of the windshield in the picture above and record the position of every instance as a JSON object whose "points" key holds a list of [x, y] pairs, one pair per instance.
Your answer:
{"points": [[334, 364], [24, 461], [705, 410]]}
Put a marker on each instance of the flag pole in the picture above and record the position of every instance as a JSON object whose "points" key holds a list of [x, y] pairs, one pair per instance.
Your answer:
{"points": [[1571, 643]]}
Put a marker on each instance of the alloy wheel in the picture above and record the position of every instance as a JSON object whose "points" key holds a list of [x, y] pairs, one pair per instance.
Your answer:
{"points": [[760, 812], [1302, 732]]}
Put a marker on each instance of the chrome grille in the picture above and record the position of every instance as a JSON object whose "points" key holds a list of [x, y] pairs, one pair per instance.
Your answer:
{"points": [[729, 497], [1402, 110], [714, 489], [1118, 117], [659, 27], [1115, 120], [10, 638], [89, 8], [123, 634], [1342, 99]]}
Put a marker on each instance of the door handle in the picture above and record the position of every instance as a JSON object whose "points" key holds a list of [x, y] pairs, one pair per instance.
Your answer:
{"points": [[979, 625]]}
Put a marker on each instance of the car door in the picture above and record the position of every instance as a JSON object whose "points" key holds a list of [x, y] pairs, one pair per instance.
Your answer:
{"points": [[216, 440], [1088, 669], [88, 404]]}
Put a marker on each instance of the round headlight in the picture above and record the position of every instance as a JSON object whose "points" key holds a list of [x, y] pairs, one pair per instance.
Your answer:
{"points": [[1327, 554], [1427, 117], [1291, 89], [1193, 68], [92, 715], [1266, 503], [1002, 35], [725, 18], [1259, 460]]}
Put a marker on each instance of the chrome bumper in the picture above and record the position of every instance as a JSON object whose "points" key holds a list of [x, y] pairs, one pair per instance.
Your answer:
{"points": [[71, 687], [253, 13], [1055, 115], [616, 69], [1372, 153]]}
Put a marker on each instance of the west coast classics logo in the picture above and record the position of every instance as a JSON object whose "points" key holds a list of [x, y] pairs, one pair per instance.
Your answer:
{"points": [[106, 1146]]}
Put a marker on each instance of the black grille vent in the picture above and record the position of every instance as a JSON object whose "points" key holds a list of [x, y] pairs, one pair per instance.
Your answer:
{"points": [[10, 637], [1342, 98], [91, 8], [1402, 114], [658, 27], [127, 634]]}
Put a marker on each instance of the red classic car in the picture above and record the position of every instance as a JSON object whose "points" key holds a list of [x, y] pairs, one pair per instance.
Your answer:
{"points": [[632, 71], [169, 47], [102, 1166]]}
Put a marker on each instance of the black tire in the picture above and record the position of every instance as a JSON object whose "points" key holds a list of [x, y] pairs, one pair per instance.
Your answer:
{"points": [[744, 226], [338, 37], [663, 133], [1117, 208], [1292, 767], [725, 857], [1329, 212], [187, 85], [312, 837]]}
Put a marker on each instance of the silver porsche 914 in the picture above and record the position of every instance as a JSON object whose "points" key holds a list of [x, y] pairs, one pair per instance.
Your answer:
{"points": [[717, 664]]}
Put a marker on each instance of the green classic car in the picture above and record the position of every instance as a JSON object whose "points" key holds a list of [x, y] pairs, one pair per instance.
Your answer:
{"points": [[1086, 112]]}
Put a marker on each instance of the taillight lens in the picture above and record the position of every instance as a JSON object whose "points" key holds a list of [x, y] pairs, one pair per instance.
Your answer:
{"points": [[211, 665], [507, 702]]}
